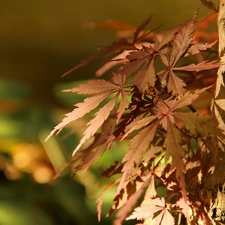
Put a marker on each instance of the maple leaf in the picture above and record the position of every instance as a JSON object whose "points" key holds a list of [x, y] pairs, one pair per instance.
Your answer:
{"points": [[166, 39], [139, 143], [141, 28], [137, 147], [158, 205], [142, 63], [140, 54], [204, 65], [173, 146], [93, 87], [184, 100], [137, 124], [127, 207], [164, 113], [87, 156], [198, 47], [198, 124], [174, 149], [150, 109], [82, 109], [131, 188], [142, 213], [123, 105], [182, 41], [191, 165], [132, 65], [95, 123], [97, 96], [120, 198], [120, 80], [145, 77], [174, 83]]}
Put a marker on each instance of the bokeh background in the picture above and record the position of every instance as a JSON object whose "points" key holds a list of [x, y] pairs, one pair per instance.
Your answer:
{"points": [[39, 41]]}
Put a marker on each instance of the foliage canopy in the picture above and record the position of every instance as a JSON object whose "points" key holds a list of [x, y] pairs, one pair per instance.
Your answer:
{"points": [[149, 101]]}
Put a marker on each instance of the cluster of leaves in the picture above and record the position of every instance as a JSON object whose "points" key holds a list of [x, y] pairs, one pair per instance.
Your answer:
{"points": [[148, 103]]}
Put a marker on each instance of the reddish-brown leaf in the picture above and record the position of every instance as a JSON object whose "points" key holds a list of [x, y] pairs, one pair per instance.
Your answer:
{"points": [[182, 41], [87, 157], [174, 149], [145, 77], [198, 124], [131, 67], [198, 47], [173, 146], [96, 123], [167, 38], [128, 206], [120, 80], [141, 28], [135, 61], [138, 124], [94, 87], [137, 147], [83, 160], [204, 65], [164, 113], [175, 84], [82, 109], [164, 59], [185, 99], [135, 55]]}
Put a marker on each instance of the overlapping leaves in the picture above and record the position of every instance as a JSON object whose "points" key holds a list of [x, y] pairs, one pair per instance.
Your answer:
{"points": [[152, 108]]}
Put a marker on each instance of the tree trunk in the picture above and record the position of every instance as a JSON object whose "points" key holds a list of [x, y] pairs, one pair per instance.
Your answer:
{"points": [[213, 173]]}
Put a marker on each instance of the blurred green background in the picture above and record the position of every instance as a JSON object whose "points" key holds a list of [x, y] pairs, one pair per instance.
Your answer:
{"points": [[39, 41]]}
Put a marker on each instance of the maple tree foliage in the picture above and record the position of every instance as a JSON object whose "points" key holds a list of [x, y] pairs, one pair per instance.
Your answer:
{"points": [[149, 102]]}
